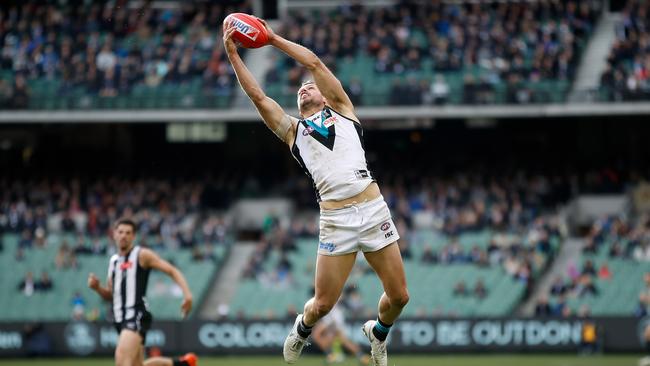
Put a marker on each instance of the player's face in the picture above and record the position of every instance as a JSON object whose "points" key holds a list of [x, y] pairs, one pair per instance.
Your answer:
{"points": [[309, 95], [123, 236]]}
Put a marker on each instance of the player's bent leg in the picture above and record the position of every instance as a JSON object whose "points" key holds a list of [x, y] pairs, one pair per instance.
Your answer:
{"points": [[129, 348], [387, 263], [331, 274]]}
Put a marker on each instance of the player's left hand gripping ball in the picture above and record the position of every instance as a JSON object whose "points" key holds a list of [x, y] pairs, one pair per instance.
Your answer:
{"points": [[250, 31]]}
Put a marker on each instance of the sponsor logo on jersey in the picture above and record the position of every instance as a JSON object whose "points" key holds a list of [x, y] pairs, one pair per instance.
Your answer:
{"points": [[307, 131], [246, 29], [385, 226], [330, 121], [327, 246], [126, 265]]}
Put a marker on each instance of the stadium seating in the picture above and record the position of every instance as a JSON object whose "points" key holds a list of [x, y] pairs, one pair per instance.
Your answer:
{"points": [[618, 294], [165, 57], [506, 53], [627, 76], [431, 285], [56, 304], [488, 57]]}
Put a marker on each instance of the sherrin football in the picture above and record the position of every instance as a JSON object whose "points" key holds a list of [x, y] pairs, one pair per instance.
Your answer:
{"points": [[249, 32]]}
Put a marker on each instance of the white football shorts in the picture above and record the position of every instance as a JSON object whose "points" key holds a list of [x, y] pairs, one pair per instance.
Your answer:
{"points": [[366, 226]]}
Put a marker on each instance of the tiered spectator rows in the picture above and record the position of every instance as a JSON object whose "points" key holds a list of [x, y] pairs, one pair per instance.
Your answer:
{"points": [[444, 52], [114, 56]]}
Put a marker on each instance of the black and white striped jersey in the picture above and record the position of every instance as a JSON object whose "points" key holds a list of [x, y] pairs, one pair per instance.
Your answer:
{"points": [[129, 285]]}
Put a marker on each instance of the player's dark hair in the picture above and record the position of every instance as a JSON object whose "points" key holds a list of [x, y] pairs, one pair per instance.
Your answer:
{"points": [[308, 81], [124, 221]]}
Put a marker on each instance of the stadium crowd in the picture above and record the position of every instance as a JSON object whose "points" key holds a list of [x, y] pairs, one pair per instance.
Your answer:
{"points": [[514, 209], [169, 215], [108, 49], [627, 76], [172, 214], [511, 42], [615, 238]]}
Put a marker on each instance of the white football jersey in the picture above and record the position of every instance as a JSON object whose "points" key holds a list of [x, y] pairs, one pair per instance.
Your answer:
{"points": [[329, 147]]}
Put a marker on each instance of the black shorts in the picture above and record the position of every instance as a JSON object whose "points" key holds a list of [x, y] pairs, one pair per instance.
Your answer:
{"points": [[140, 324]]}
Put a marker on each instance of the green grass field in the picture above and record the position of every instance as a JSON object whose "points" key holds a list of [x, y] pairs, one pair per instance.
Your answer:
{"points": [[449, 360]]}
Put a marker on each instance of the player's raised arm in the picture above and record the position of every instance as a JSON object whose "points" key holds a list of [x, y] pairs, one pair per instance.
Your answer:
{"points": [[327, 83], [273, 115], [149, 259]]}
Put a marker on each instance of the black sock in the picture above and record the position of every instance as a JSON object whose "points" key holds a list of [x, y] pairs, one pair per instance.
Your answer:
{"points": [[177, 362], [303, 330], [381, 329]]}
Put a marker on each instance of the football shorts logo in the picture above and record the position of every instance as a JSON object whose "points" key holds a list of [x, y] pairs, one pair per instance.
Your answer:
{"points": [[385, 226], [327, 246], [246, 29]]}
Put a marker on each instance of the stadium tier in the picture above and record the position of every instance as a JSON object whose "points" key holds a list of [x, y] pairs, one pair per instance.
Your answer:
{"points": [[57, 228], [283, 280], [67, 268], [610, 278], [92, 56], [627, 76], [95, 57], [443, 52], [481, 256]]}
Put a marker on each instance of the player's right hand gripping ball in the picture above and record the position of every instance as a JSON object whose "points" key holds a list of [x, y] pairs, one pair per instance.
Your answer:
{"points": [[249, 31]]}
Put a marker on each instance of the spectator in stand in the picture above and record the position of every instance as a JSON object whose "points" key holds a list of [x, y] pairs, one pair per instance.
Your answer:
{"points": [[25, 240], [62, 256], [542, 307], [589, 269], [479, 290], [604, 273], [585, 286], [27, 286], [20, 94], [559, 309], [5, 94], [460, 289], [428, 256], [440, 90], [355, 91], [45, 283]]}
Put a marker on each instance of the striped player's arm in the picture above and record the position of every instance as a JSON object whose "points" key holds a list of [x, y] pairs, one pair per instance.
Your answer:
{"points": [[105, 293], [149, 259]]}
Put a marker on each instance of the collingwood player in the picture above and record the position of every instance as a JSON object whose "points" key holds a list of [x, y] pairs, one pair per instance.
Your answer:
{"points": [[327, 141], [126, 287]]}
